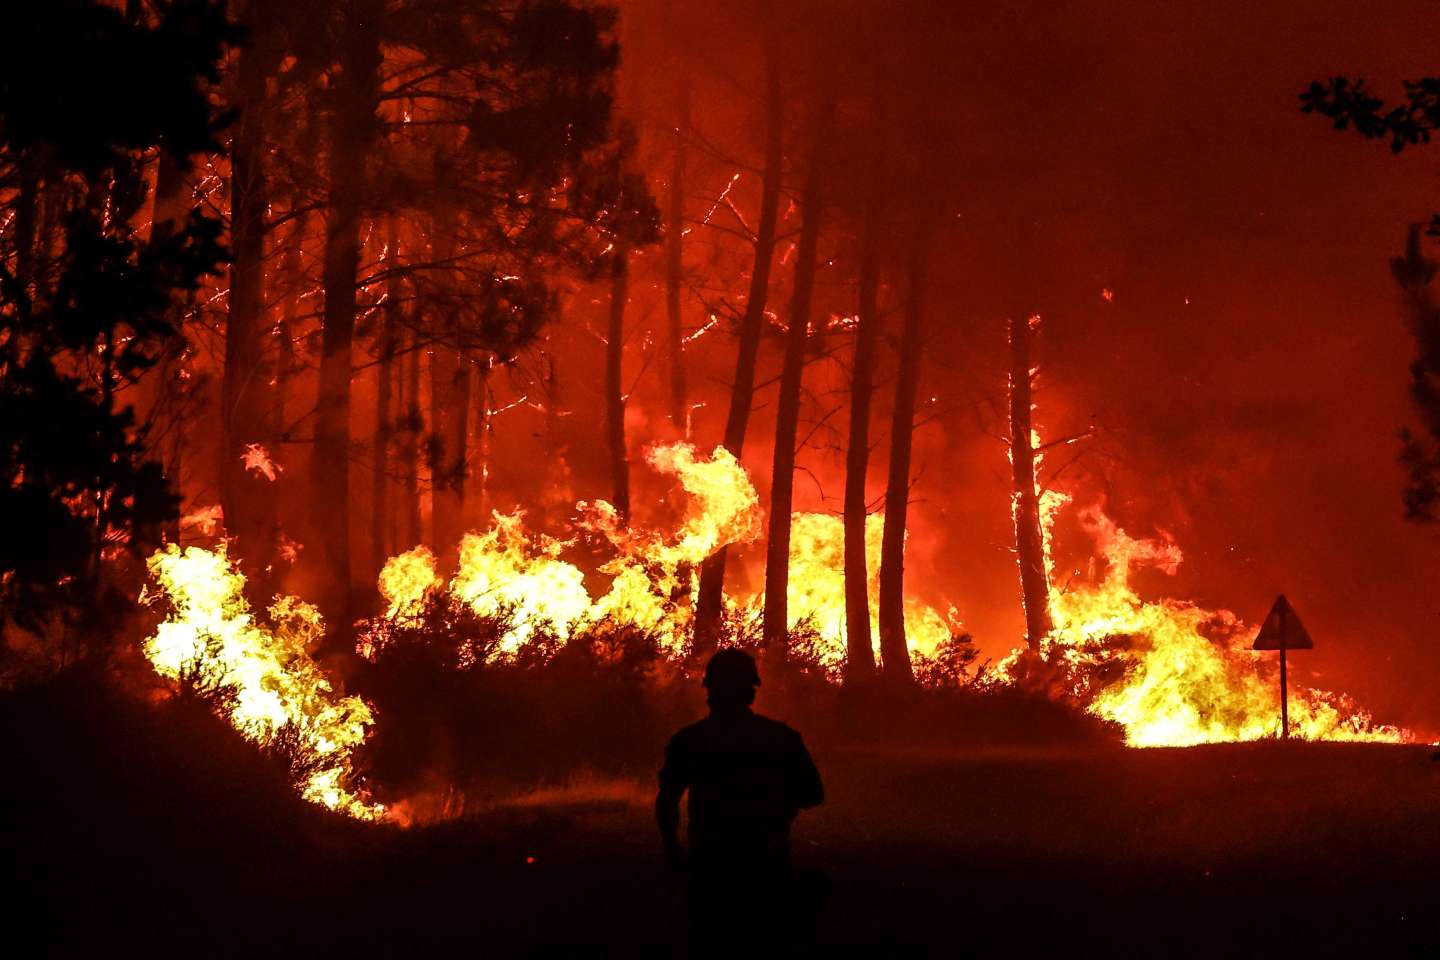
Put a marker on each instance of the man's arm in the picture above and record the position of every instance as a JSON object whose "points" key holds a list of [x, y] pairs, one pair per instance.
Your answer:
{"points": [[673, 782]]}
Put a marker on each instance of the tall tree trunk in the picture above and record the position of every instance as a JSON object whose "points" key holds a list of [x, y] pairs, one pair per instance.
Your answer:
{"points": [[480, 443], [710, 601], [787, 416], [244, 408], [894, 652], [1029, 538], [290, 267], [449, 408], [352, 132], [27, 200], [675, 260], [384, 418], [859, 652], [292, 270], [614, 388], [414, 428]]}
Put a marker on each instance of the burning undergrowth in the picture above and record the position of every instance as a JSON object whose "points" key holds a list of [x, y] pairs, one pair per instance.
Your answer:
{"points": [[506, 670], [1170, 672], [260, 675]]}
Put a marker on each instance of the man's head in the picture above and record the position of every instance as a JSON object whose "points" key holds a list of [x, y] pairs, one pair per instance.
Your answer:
{"points": [[731, 679]]}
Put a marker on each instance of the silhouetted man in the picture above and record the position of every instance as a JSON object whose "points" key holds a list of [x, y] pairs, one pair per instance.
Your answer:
{"points": [[748, 777]]}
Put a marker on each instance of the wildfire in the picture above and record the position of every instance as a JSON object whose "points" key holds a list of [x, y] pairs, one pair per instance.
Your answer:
{"points": [[212, 638], [1170, 672], [507, 570], [1173, 673], [817, 589]]}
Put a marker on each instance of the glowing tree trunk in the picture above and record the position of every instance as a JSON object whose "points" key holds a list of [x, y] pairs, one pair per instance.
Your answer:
{"points": [[380, 505], [450, 431], [352, 131], [675, 261], [170, 208], [449, 400], [1029, 538], [859, 654], [614, 389], [291, 269], [712, 572], [245, 405], [787, 416], [413, 427], [894, 652], [480, 443]]}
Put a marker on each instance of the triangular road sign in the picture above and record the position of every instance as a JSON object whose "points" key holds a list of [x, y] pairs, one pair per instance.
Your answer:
{"points": [[1282, 629]]}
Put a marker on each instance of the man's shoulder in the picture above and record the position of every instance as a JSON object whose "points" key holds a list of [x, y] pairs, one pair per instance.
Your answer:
{"points": [[689, 734], [748, 726]]}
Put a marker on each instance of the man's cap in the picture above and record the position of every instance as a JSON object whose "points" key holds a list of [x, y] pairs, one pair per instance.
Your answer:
{"points": [[732, 668]]}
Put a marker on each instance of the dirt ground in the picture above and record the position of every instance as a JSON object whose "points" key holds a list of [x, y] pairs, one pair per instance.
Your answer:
{"points": [[1261, 849], [122, 839]]}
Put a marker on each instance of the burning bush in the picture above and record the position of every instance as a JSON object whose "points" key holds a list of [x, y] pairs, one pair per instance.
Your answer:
{"points": [[261, 677]]}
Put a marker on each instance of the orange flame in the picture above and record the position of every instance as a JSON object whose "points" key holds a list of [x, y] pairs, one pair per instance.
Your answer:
{"points": [[1173, 673], [212, 632]]}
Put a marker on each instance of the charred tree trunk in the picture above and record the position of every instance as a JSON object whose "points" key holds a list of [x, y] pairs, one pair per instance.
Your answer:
{"points": [[449, 408], [413, 426], [894, 652], [450, 432], [709, 603], [27, 202], [351, 134], [859, 652], [1029, 538], [244, 407], [675, 262], [480, 443], [384, 417], [787, 416], [292, 270], [614, 388], [167, 392]]}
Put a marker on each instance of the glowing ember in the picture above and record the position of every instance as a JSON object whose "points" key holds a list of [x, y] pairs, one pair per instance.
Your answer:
{"points": [[212, 637], [257, 459]]}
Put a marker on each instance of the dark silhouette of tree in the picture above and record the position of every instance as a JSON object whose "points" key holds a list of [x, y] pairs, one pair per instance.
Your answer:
{"points": [[1029, 536], [675, 252], [249, 416], [787, 413], [351, 131], [1350, 104], [859, 649], [709, 602], [1420, 454], [87, 94], [894, 650]]}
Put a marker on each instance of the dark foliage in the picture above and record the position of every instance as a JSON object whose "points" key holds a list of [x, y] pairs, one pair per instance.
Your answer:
{"points": [[953, 664], [1350, 104], [85, 98], [1420, 450], [458, 724]]}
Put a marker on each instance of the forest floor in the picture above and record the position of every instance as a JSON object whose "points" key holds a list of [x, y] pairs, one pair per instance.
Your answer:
{"points": [[1254, 849]]}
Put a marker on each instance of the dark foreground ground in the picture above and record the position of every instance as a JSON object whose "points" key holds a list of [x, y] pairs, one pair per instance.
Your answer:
{"points": [[1261, 849]]}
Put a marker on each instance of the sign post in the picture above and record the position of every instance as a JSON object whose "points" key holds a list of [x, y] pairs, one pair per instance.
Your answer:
{"points": [[1282, 630]]}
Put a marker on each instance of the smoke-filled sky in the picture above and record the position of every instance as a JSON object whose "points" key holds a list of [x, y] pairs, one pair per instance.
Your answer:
{"points": [[1246, 381]]}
